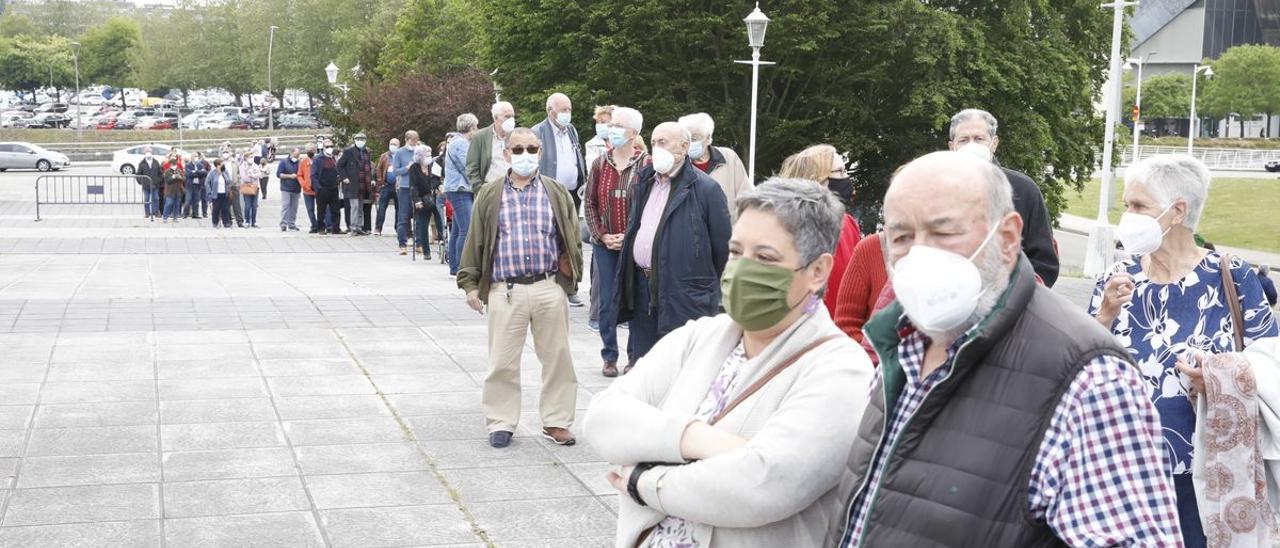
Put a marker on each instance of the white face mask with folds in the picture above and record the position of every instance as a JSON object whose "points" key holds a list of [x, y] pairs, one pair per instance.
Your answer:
{"points": [[938, 289], [1140, 234]]}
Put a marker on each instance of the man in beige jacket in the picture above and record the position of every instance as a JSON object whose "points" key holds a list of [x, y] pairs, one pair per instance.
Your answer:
{"points": [[721, 163]]}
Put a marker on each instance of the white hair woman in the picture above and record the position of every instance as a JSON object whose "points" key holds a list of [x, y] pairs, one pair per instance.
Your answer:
{"points": [[693, 465], [721, 163], [1167, 304]]}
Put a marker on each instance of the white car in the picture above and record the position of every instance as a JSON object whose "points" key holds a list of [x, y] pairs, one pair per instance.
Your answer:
{"points": [[20, 155], [126, 161]]}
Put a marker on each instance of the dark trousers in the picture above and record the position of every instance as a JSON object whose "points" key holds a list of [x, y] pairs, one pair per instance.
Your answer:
{"points": [[386, 197], [422, 225], [644, 325], [366, 207], [1189, 512], [221, 211], [195, 200], [151, 203], [328, 211], [605, 265]]}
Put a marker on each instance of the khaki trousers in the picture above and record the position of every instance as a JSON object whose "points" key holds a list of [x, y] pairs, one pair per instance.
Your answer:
{"points": [[543, 309]]}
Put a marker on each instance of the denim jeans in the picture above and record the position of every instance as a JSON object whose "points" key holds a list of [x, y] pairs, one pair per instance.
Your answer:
{"points": [[309, 200], [404, 208], [386, 197], [289, 209], [171, 207], [251, 209], [606, 261], [151, 201], [461, 222], [195, 197]]}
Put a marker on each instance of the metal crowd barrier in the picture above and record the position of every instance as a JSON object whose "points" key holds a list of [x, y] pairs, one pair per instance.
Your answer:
{"points": [[89, 190]]}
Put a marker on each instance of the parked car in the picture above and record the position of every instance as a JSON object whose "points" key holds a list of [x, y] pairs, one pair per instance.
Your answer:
{"points": [[52, 107], [297, 121], [19, 155], [126, 160], [1273, 166], [52, 119]]}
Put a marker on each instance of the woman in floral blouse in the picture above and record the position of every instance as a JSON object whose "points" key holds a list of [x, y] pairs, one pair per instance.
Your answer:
{"points": [[1167, 304]]}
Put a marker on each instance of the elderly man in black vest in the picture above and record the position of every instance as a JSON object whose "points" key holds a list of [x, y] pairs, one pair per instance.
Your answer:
{"points": [[1001, 415]]}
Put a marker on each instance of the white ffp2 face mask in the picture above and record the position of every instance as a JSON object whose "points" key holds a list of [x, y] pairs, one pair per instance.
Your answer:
{"points": [[978, 150], [508, 125], [1140, 234], [938, 289], [663, 160]]}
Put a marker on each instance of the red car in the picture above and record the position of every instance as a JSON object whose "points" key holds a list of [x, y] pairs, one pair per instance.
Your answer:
{"points": [[106, 123], [164, 124]]}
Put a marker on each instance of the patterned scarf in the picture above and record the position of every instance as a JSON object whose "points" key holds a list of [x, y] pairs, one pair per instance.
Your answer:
{"points": [[1229, 474]]}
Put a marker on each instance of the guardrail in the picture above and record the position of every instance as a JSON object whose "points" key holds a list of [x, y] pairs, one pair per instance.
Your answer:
{"points": [[103, 150], [1237, 159], [89, 190]]}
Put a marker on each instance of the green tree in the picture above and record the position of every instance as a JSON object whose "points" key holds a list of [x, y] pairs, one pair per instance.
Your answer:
{"points": [[1243, 84], [877, 78], [109, 53], [1163, 96], [435, 34], [28, 63], [15, 24]]}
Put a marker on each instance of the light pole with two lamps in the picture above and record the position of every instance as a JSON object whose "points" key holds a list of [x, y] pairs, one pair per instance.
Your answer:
{"points": [[757, 24], [1100, 252], [1137, 102], [1193, 124]]}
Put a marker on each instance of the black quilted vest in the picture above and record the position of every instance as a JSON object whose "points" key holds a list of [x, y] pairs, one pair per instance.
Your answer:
{"points": [[959, 472]]}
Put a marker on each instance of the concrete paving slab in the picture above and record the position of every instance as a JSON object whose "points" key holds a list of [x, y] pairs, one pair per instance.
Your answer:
{"points": [[515, 483], [93, 503], [344, 431], [116, 534], [359, 458], [96, 440], [206, 369], [477, 454], [98, 391], [201, 389], [234, 496], [220, 435], [320, 386], [329, 407], [376, 489], [105, 371], [15, 416], [396, 526], [307, 367], [228, 464], [294, 529], [90, 470], [74, 415], [544, 519], [216, 410]]}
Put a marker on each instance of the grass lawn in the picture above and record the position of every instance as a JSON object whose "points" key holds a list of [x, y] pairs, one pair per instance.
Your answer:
{"points": [[1242, 213]]}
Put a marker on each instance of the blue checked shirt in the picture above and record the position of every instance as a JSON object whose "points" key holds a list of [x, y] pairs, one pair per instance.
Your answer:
{"points": [[1098, 479], [526, 232]]}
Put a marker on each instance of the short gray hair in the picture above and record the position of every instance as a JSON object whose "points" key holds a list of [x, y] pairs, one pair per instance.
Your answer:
{"points": [[699, 121], [421, 152], [467, 122], [629, 117], [809, 212], [500, 106], [967, 114], [1169, 177]]}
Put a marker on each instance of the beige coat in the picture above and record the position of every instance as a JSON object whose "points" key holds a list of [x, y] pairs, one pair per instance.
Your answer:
{"points": [[780, 488], [732, 178]]}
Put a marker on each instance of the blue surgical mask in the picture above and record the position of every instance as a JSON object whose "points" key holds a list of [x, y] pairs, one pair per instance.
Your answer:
{"points": [[563, 118], [602, 130], [696, 149], [524, 164], [617, 136]]}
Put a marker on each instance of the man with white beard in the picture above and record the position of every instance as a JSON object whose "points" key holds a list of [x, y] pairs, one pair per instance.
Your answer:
{"points": [[1000, 414]]}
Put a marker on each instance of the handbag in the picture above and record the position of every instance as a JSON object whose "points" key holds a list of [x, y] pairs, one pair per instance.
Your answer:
{"points": [[1233, 300], [249, 189]]}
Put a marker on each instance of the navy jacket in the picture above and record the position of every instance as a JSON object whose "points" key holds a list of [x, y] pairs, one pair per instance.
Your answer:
{"points": [[690, 250], [324, 177], [197, 171], [288, 167]]}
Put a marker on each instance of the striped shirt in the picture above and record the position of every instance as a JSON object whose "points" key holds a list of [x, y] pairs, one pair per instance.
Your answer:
{"points": [[526, 232], [1098, 478]]}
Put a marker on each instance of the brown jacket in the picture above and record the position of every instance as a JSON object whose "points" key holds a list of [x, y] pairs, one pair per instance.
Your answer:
{"points": [[380, 173]]}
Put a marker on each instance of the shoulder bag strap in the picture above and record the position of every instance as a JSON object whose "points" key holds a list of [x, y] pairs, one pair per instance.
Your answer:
{"points": [[756, 386], [1233, 300]]}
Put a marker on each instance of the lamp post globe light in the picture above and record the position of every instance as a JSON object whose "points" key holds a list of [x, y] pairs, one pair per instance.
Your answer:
{"points": [[757, 25], [1193, 124]]}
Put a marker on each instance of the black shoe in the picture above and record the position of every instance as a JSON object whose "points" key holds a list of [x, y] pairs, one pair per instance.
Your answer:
{"points": [[240, 224], [574, 301], [284, 229], [499, 439]]}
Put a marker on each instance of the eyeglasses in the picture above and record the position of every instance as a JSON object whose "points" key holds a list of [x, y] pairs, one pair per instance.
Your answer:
{"points": [[521, 149]]}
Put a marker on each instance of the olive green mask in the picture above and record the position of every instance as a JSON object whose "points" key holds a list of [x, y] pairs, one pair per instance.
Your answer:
{"points": [[755, 294]]}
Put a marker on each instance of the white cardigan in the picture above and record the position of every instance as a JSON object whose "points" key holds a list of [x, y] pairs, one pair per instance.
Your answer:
{"points": [[777, 490]]}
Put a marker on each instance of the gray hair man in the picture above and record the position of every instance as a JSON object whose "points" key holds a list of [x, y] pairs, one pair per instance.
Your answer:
{"points": [[975, 131], [721, 163], [1026, 400], [523, 284], [457, 186], [676, 245], [357, 175], [290, 189], [562, 157], [485, 160]]}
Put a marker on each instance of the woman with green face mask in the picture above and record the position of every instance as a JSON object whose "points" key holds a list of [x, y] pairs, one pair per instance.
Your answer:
{"points": [[736, 429]]}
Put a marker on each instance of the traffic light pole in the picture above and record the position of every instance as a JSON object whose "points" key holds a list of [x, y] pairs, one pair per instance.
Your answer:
{"points": [[1137, 115]]}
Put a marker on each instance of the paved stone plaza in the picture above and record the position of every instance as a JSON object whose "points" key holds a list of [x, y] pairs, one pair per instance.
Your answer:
{"points": [[176, 385]]}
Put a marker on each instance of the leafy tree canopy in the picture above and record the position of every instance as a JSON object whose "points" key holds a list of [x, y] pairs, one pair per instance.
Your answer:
{"points": [[1163, 96]]}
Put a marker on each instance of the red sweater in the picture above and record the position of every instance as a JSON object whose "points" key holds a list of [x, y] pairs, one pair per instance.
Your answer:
{"points": [[849, 236], [860, 289]]}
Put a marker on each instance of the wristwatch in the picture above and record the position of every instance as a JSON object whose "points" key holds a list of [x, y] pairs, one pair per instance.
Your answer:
{"points": [[634, 481]]}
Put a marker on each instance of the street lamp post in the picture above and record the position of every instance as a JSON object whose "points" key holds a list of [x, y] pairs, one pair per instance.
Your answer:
{"points": [[1137, 102], [1102, 236], [271, 119], [1193, 124], [757, 24], [331, 72], [75, 52]]}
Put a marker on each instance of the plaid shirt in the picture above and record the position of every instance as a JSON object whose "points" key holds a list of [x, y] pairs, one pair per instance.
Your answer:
{"points": [[1098, 478], [526, 232]]}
